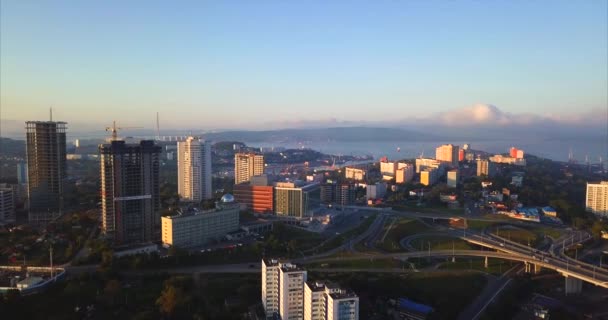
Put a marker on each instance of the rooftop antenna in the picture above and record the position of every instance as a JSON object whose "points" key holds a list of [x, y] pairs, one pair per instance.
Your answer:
{"points": [[51, 113], [157, 127]]}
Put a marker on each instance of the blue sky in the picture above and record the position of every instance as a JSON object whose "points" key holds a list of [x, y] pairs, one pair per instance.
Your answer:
{"points": [[218, 64]]}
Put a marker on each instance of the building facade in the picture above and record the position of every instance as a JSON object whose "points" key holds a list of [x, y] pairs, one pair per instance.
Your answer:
{"points": [[404, 173], [247, 165], [270, 287], [46, 169], [387, 170], [194, 170], [485, 167], [375, 191], [130, 191], [22, 173], [259, 199], [429, 176], [354, 174], [452, 178], [295, 201], [425, 163], [340, 194], [291, 291], [196, 228], [597, 198], [324, 301], [447, 153], [7, 205]]}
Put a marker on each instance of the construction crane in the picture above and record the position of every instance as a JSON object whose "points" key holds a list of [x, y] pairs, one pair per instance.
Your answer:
{"points": [[114, 129]]}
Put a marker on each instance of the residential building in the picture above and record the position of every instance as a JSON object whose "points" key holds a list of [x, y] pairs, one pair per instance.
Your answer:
{"points": [[461, 153], [508, 160], [375, 191], [485, 168], [255, 195], [46, 169], [130, 191], [291, 291], [520, 154], [388, 169], [513, 152], [423, 163], [342, 305], [597, 198], [247, 165], [195, 227], [447, 153], [452, 178], [296, 200], [324, 301], [429, 176], [404, 173], [270, 287], [340, 194], [354, 174], [7, 205], [194, 170]]}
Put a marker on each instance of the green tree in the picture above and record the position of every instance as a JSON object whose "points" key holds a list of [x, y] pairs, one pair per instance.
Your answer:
{"points": [[170, 299]]}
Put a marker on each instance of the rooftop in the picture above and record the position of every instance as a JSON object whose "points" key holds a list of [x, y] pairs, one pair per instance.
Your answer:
{"points": [[316, 286], [271, 262], [189, 212], [342, 294], [413, 306], [290, 267]]}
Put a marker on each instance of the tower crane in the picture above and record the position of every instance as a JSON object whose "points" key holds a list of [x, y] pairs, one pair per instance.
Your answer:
{"points": [[114, 129]]}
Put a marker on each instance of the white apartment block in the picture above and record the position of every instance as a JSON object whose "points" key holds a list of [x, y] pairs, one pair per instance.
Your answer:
{"points": [[291, 291], [452, 178], [199, 227], [425, 163], [247, 165], [447, 153], [194, 170], [270, 286], [597, 198], [324, 301]]}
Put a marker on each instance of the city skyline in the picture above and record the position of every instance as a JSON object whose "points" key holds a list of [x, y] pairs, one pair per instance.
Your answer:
{"points": [[287, 64]]}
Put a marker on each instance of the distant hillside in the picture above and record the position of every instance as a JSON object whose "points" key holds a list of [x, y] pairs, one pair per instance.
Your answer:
{"points": [[12, 148], [346, 134]]}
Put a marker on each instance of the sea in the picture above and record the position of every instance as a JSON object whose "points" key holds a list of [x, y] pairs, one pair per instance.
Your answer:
{"points": [[580, 151]]}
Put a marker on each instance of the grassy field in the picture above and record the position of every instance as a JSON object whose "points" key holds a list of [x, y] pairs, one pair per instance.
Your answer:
{"points": [[520, 236], [399, 230], [440, 243], [495, 266], [448, 293], [358, 264], [479, 224]]}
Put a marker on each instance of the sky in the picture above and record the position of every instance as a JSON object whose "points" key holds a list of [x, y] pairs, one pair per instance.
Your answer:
{"points": [[267, 64]]}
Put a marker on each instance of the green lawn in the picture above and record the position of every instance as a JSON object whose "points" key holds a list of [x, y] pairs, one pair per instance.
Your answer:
{"points": [[440, 243], [358, 264], [399, 230], [479, 224], [495, 266], [346, 236], [520, 236]]}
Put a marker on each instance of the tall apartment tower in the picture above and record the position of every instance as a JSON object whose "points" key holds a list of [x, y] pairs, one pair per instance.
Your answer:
{"points": [[485, 167], [325, 301], [247, 165], [291, 291], [130, 191], [194, 170], [447, 153], [46, 169], [7, 204], [597, 198], [270, 287]]}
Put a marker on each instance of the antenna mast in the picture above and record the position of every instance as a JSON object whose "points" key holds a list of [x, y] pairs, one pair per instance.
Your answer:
{"points": [[157, 127], [51, 113]]}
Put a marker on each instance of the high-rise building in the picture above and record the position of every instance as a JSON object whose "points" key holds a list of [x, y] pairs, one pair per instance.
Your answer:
{"points": [[324, 301], [452, 178], [195, 228], [21, 173], [247, 165], [485, 167], [7, 204], [423, 163], [291, 291], [447, 153], [46, 169], [375, 191], [387, 170], [270, 287], [461, 155], [194, 170], [404, 173], [295, 201], [341, 194], [513, 152], [130, 191], [597, 198]]}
